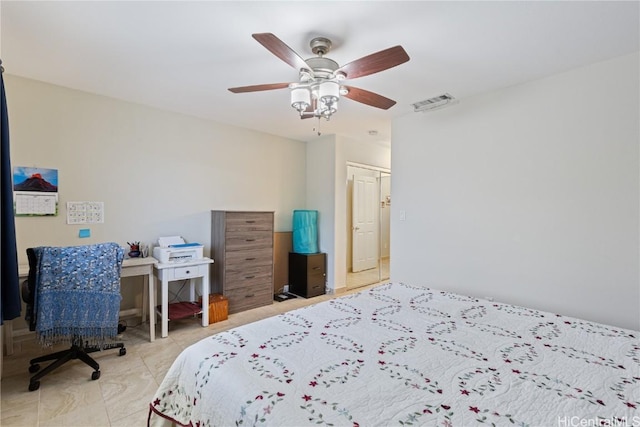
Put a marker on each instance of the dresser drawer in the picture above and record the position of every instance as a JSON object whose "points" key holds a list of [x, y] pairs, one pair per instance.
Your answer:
{"points": [[244, 240], [249, 221], [249, 258], [255, 276], [179, 273], [316, 279], [316, 264], [248, 297]]}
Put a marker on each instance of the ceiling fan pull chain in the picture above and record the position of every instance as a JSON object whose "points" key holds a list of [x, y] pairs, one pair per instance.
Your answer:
{"points": [[317, 128]]}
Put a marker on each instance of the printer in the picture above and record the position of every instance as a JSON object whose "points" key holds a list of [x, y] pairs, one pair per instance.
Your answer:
{"points": [[173, 249]]}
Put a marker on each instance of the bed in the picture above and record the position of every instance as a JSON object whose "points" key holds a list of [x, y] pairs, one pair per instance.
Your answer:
{"points": [[397, 354]]}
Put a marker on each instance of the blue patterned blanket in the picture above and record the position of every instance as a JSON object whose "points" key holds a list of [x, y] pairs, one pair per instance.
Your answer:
{"points": [[77, 293]]}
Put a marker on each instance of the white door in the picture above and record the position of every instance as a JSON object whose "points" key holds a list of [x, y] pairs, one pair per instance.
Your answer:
{"points": [[365, 230]]}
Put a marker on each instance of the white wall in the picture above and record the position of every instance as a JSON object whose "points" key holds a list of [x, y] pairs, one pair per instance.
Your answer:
{"points": [[529, 195], [158, 173], [321, 196], [327, 192]]}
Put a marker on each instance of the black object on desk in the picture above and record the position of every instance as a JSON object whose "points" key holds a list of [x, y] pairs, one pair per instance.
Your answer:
{"points": [[307, 274]]}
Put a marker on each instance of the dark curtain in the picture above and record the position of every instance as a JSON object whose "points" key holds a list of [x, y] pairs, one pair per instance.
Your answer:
{"points": [[10, 307]]}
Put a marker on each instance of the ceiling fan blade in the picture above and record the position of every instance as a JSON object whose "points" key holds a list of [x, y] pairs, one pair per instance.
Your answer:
{"points": [[375, 62], [369, 98], [281, 50], [257, 88]]}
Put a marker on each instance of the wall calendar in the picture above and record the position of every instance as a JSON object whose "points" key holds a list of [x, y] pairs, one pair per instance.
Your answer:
{"points": [[35, 191]]}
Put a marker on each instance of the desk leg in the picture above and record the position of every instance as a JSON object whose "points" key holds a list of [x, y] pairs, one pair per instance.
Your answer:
{"points": [[192, 290], [8, 337], [165, 308], [151, 284], [205, 298], [145, 297]]}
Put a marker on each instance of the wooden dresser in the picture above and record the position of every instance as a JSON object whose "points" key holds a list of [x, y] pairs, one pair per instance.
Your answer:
{"points": [[242, 246]]}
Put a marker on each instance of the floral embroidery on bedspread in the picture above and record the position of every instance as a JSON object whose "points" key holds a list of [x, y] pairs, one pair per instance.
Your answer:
{"points": [[406, 355]]}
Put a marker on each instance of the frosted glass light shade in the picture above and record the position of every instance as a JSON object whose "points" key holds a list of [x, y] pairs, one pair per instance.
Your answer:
{"points": [[300, 99], [329, 92]]}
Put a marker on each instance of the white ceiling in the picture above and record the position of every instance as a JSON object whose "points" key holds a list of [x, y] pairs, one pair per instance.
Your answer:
{"points": [[182, 56]]}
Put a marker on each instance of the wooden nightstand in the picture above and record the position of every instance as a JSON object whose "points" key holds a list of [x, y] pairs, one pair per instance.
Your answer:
{"points": [[307, 274]]}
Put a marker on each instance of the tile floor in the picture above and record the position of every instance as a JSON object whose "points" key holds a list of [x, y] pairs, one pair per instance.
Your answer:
{"points": [[120, 397], [367, 277]]}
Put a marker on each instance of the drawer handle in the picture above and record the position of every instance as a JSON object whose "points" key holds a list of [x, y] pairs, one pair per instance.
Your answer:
{"points": [[250, 240], [249, 277], [250, 296], [249, 259], [316, 268], [250, 221]]}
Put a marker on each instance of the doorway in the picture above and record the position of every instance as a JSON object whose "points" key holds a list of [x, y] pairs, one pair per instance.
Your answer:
{"points": [[368, 225]]}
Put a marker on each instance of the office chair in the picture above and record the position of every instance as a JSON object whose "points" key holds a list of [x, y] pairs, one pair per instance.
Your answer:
{"points": [[73, 296]]}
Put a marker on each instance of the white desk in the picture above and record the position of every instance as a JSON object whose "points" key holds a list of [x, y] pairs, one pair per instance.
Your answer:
{"points": [[191, 270], [130, 267], [143, 267]]}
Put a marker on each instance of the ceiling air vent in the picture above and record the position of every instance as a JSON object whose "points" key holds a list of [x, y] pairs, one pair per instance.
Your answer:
{"points": [[434, 103]]}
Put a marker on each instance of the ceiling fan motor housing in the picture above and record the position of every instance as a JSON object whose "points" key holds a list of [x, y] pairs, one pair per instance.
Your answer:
{"points": [[323, 67]]}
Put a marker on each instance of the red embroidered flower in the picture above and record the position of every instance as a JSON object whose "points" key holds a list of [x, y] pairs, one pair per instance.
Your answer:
{"points": [[259, 397], [465, 392], [306, 398], [279, 394], [474, 409], [156, 402], [313, 383]]}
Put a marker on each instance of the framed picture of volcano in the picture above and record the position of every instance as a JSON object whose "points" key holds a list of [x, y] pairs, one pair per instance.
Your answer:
{"points": [[35, 191]]}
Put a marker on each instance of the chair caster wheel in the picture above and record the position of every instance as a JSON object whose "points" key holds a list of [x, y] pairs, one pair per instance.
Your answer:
{"points": [[123, 351], [34, 368], [34, 385], [95, 375]]}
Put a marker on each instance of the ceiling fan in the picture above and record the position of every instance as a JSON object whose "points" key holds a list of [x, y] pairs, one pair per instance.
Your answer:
{"points": [[319, 88]]}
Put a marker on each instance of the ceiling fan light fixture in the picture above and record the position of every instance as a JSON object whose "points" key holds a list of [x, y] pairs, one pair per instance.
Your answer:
{"points": [[327, 110], [329, 92], [300, 99]]}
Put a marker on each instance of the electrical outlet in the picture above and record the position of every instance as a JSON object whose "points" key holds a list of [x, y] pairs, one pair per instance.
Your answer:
{"points": [[285, 288]]}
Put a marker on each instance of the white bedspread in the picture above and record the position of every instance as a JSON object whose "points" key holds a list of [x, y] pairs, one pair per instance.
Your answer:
{"points": [[398, 355]]}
